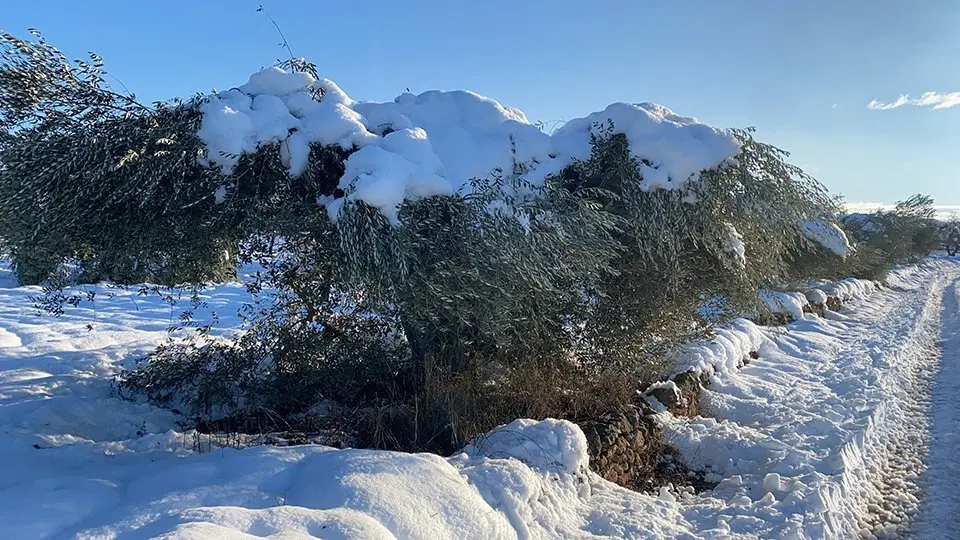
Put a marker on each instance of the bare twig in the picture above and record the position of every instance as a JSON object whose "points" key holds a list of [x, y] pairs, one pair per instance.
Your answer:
{"points": [[285, 44]]}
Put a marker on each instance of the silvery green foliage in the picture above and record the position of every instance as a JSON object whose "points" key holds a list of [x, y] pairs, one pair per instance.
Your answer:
{"points": [[676, 243], [94, 178], [92, 175], [483, 274]]}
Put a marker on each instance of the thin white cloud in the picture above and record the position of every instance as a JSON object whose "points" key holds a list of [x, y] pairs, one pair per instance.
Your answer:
{"points": [[881, 106], [939, 101], [933, 100]]}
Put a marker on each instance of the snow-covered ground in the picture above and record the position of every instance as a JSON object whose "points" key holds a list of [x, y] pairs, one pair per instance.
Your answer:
{"points": [[940, 482], [799, 440], [803, 436]]}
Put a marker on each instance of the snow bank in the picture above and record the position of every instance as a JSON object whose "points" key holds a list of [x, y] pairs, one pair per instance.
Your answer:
{"points": [[905, 277], [549, 445], [725, 352], [437, 142], [817, 292], [845, 290], [791, 303]]}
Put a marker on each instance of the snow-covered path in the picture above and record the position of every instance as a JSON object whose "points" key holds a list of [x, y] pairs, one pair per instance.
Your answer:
{"points": [[823, 436], [939, 512]]}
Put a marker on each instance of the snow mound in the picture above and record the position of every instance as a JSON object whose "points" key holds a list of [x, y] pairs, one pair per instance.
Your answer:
{"points": [[816, 296], [828, 235], [280, 521], [548, 445], [724, 352], [791, 303], [677, 148], [437, 143]]}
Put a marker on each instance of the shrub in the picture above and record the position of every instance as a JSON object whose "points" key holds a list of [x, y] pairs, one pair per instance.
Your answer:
{"points": [[466, 281], [84, 166], [950, 236]]}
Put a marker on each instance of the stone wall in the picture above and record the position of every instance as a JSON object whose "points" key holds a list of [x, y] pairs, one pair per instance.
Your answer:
{"points": [[625, 445]]}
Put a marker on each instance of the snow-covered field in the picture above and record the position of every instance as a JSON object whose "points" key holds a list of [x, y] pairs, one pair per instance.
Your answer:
{"points": [[800, 440]]}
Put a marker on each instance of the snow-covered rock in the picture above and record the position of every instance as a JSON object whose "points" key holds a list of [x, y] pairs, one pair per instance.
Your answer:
{"points": [[846, 289], [666, 393], [724, 352], [816, 296]]}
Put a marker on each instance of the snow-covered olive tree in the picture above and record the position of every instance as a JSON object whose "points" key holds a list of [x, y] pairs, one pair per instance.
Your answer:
{"points": [[883, 239], [437, 255]]}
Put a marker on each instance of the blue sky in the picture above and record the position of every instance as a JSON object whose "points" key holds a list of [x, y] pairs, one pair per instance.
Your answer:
{"points": [[801, 72]]}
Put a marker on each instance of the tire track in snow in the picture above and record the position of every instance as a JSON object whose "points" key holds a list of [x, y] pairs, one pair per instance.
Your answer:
{"points": [[896, 445], [915, 491], [893, 501], [939, 510]]}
